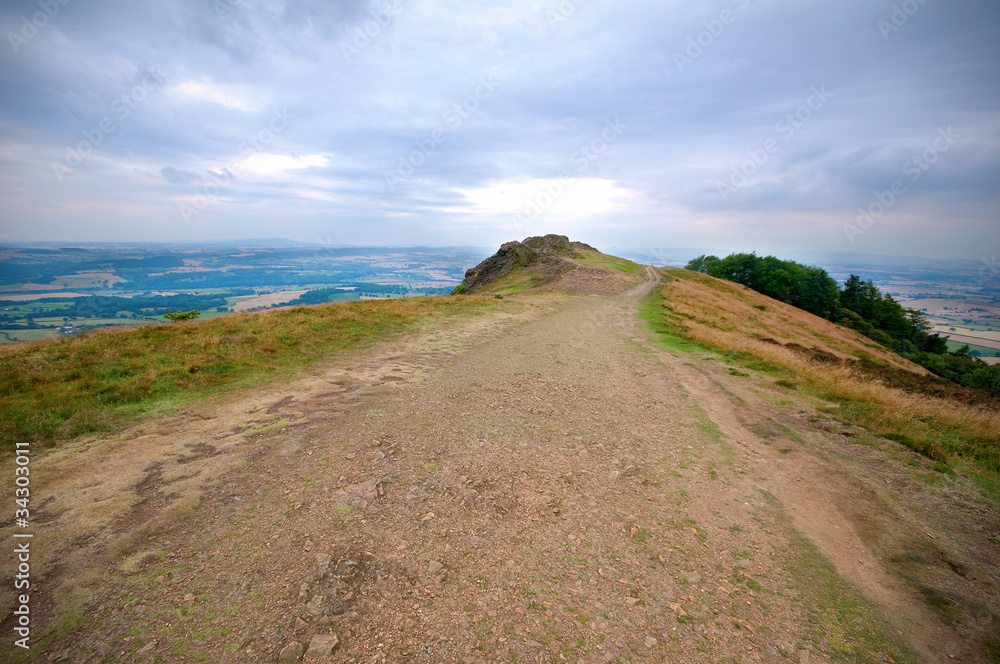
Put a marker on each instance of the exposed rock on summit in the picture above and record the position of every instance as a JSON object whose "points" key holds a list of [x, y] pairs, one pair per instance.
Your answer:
{"points": [[550, 253]]}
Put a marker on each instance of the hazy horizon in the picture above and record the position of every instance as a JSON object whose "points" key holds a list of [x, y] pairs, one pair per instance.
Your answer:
{"points": [[664, 254], [863, 127]]}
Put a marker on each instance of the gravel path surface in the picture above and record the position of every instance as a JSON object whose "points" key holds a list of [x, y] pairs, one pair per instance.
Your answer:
{"points": [[545, 485]]}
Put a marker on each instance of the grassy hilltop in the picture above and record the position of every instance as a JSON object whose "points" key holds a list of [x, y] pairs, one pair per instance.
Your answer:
{"points": [[547, 408]]}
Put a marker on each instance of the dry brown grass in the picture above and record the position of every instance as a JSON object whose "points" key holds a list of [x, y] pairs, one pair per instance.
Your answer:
{"points": [[59, 389], [728, 316], [729, 307]]}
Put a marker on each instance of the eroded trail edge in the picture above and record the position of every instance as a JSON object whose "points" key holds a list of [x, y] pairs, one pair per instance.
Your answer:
{"points": [[811, 490]]}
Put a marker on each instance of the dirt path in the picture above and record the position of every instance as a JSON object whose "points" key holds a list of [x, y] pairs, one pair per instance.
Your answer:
{"points": [[811, 489], [537, 486]]}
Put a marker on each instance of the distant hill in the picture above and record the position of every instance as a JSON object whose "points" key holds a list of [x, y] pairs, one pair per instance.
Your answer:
{"points": [[551, 262]]}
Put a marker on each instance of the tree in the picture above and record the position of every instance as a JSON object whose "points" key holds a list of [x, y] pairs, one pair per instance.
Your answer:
{"points": [[936, 344], [918, 319], [181, 315], [776, 278], [818, 293], [985, 377], [859, 296], [741, 268], [704, 264]]}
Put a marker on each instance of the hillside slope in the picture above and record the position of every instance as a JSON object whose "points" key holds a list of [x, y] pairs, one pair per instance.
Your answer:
{"points": [[931, 520], [879, 389], [543, 480], [730, 315]]}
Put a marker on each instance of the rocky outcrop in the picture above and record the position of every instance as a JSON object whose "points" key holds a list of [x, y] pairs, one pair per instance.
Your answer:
{"points": [[549, 252]]}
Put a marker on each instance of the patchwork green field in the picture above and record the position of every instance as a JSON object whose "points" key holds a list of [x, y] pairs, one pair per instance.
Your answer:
{"points": [[42, 288]]}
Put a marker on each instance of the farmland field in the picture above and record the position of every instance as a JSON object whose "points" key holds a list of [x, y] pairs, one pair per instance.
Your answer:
{"points": [[44, 287]]}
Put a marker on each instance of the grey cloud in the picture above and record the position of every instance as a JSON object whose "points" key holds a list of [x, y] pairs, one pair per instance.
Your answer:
{"points": [[685, 129], [178, 176]]}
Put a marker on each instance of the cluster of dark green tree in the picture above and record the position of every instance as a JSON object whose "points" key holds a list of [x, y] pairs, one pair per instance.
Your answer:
{"points": [[858, 305], [322, 296], [802, 286]]}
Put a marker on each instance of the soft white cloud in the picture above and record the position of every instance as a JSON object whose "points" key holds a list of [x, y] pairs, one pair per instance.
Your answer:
{"points": [[263, 163], [556, 197], [214, 94]]}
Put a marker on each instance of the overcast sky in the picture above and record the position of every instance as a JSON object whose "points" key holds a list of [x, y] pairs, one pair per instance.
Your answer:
{"points": [[739, 124]]}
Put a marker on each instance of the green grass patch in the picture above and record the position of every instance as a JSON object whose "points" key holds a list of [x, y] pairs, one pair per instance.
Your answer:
{"points": [[710, 429], [94, 382], [651, 311], [11, 336], [946, 608], [839, 618], [750, 361], [992, 647], [517, 280], [608, 262]]}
